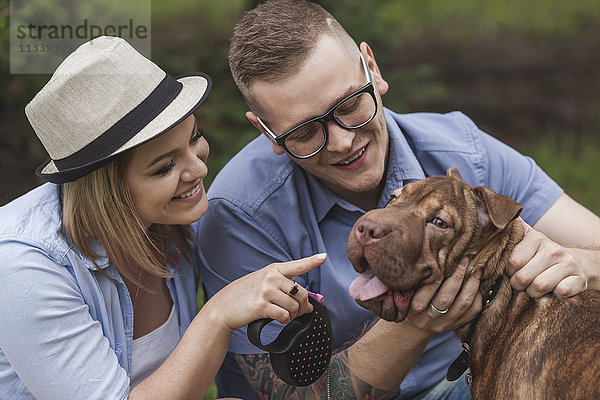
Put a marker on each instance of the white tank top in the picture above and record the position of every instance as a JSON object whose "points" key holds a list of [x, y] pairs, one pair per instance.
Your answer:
{"points": [[152, 349]]}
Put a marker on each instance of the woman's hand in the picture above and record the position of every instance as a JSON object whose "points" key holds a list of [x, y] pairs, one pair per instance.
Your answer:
{"points": [[265, 294]]}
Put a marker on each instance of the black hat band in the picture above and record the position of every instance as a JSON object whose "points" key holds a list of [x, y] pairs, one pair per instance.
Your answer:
{"points": [[126, 128]]}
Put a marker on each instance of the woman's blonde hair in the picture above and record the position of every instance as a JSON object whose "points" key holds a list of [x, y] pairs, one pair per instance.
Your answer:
{"points": [[99, 207]]}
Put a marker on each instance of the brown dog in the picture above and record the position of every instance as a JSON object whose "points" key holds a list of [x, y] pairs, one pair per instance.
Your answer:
{"points": [[520, 348]]}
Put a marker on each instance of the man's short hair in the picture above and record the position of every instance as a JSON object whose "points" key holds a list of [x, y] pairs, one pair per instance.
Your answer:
{"points": [[273, 41]]}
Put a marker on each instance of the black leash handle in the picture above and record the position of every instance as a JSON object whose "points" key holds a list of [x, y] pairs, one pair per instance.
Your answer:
{"points": [[296, 329], [302, 351]]}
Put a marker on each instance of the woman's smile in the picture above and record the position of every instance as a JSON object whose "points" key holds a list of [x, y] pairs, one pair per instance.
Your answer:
{"points": [[191, 194], [174, 195]]}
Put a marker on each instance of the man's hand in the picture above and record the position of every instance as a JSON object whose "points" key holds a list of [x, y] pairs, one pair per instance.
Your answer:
{"points": [[538, 266], [459, 296]]}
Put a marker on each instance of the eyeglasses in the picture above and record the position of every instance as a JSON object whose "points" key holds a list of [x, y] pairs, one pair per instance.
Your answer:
{"points": [[352, 112]]}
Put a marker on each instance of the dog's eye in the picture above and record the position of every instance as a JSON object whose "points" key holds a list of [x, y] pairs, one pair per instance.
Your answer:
{"points": [[391, 200], [440, 223]]}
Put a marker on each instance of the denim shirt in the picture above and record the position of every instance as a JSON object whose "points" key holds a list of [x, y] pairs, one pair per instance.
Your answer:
{"points": [[263, 208], [66, 329]]}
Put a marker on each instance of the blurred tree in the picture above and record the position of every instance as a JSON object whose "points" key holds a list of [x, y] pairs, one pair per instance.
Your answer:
{"points": [[20, 151], [523, 70]]}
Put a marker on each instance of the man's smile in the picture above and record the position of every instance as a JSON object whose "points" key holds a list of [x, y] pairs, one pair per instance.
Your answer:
{"points": [[353, 161]]}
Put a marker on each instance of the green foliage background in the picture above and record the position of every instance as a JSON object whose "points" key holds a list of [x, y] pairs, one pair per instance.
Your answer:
{"points": [[525, 70]]}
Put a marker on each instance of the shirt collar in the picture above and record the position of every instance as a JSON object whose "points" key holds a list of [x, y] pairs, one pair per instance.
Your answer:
{"points": [[102, 260], [322, 198], [403, 167], [174, 259]]}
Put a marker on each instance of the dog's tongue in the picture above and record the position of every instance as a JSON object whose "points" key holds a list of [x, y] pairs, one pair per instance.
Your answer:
{"points": [[367, 286]]}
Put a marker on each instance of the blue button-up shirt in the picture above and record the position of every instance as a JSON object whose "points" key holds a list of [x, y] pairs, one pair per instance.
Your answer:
{"points": [[66, 329], [263, 208]]}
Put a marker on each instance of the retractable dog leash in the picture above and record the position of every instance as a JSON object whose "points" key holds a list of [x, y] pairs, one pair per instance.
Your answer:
{"points": [[302, 351]]}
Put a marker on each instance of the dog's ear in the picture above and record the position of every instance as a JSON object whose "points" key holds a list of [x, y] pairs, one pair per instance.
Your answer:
{"points": [[453, 173], [501, 209]]}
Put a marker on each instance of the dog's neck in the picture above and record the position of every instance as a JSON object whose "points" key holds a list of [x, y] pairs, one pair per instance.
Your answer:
{"points": [[493, 261]]}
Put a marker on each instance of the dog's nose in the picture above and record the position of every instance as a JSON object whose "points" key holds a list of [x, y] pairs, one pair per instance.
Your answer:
{"points": [[368, 231]]}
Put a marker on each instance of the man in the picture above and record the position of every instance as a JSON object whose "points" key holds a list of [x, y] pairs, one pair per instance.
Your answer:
{"points": [[328, 153]]}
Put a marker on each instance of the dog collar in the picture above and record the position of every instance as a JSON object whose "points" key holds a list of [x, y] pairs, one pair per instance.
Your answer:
{"points": [[461, 364]]}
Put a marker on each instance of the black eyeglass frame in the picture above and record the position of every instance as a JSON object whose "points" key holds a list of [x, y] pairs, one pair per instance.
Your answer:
{"points": [[328, 116]]}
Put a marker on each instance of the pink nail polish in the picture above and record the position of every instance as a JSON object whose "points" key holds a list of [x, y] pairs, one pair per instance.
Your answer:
{"points": [[318, 297]]}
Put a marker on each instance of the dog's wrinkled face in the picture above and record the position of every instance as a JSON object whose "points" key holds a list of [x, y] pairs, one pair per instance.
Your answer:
{"points": [[420, 237]]}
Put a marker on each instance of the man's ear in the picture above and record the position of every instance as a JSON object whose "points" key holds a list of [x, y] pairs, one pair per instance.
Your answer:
{"points": [[380, 84], [252, 118]]}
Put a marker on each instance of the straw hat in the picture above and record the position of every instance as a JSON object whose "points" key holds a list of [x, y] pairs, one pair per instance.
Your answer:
{"points": [[103, 99]]}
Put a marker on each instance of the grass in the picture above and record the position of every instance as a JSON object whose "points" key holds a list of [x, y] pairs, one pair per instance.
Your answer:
{"points": [[574, 163], [212, 392]]}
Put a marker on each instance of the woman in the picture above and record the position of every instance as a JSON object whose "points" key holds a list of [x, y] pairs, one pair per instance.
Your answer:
{"points": [[97, 284]]}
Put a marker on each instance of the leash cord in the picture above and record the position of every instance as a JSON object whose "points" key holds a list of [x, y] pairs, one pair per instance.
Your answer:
{"points": [[328, 389]]}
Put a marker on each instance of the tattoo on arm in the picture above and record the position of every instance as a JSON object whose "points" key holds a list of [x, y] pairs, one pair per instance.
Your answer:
{"points": [[342, 383]]}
